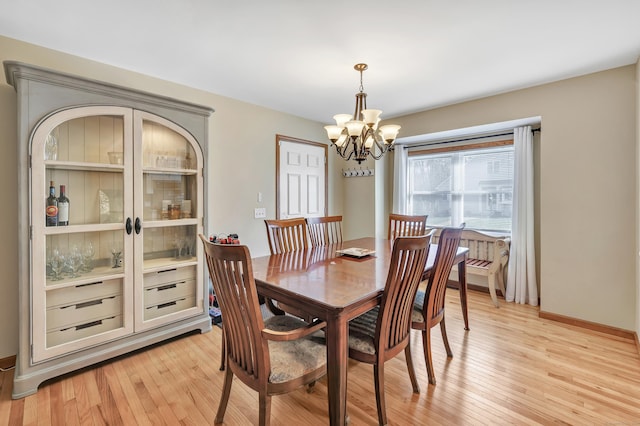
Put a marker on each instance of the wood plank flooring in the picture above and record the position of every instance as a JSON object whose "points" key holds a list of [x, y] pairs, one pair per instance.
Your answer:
{"points": [[510, 368]]}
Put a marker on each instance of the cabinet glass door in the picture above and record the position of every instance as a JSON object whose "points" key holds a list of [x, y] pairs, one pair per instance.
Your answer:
{"points": [[82, 262], [169, 179]]}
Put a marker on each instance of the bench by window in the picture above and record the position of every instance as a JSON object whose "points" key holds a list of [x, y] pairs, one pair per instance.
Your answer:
{"points": [[488, 256]]}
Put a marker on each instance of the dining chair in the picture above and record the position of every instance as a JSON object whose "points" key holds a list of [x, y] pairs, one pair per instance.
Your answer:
{"points": [[428, 308], [286, 235], [401, 225], [324, 230], [272, 356], [381, 333]]}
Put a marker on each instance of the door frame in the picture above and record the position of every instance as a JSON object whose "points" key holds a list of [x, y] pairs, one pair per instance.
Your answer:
{"points": [[284, 138]]}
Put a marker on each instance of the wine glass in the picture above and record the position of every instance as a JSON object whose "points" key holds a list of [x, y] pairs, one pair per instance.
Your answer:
{"points": [[87, 257], [57, 262], [74, 261], [51, 148]]}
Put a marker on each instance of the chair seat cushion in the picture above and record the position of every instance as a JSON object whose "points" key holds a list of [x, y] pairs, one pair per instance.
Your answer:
{"points": [[295, 358], [362, 330], [416, 314]]}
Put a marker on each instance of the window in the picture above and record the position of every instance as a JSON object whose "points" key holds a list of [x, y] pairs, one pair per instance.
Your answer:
{"points": [[455, 185]]}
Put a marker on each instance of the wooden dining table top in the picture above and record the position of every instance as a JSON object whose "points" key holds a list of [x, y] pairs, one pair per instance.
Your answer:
{"points": [[326, 277]]}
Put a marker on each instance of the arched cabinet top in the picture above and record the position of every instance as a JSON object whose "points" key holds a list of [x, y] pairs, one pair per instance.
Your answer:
{"points": [[45, 90]]}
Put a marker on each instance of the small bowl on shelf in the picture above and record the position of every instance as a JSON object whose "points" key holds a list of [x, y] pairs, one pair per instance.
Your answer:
{"points": [[116, 157]]}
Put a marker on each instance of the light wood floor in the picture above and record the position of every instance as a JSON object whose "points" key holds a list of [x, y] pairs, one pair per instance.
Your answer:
{"points": [[510, 368]]}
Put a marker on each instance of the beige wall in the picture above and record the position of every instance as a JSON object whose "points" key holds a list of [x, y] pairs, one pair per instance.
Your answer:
{"points": [[241, 158], [586, 199]]}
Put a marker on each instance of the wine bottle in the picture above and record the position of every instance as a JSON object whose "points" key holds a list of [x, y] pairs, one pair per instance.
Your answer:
{"points": [[51, 212], [63, 208]]}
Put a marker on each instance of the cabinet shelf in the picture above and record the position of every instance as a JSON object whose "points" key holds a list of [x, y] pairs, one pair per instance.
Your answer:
{"points": [[157, 264], [74, 229], [76, 166], [169, 222], [168, 171], [100, 273]]}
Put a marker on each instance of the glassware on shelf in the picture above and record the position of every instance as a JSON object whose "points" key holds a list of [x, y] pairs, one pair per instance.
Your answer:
{"points": [[56, 264], [116, 257], [51, 148], [87, 257], [73, 262]]}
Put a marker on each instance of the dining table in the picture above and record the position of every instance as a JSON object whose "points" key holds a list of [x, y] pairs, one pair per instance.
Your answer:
{"points": [[336, 288]]}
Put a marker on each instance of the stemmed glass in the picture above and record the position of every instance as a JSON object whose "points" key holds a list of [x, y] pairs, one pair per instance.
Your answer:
{"points": [[87, 257], [51, 148], [74, 262], [57, 262]]}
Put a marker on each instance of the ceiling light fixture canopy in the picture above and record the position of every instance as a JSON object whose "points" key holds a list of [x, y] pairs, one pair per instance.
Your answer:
{"points": [[358, 135]]}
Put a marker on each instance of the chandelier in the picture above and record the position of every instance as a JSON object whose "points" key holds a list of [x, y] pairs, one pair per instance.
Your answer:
{"points": [[358, 135]]}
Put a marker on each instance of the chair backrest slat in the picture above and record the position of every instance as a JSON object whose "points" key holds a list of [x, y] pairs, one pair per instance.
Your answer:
{"points": [[233, 283], [436, 287], [324, 230], [407, 265], [406, 225], [286, 235]]}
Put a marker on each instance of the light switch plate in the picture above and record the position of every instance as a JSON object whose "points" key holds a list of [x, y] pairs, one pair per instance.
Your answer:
{"points": [[260, 212]]}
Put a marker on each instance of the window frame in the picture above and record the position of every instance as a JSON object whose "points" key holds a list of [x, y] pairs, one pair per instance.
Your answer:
{"points": [[445, 148]]}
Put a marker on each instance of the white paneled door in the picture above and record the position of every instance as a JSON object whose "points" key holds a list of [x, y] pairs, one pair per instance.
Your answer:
{"points": [[302, 179]]}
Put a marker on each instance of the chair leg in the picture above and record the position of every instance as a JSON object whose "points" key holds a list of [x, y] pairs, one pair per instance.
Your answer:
{"points": [[412, 371], [223, 351], [443, 331], [265, 409], [224, 398], [492, 289], [426, 345], [378, 375], [501, 282]]}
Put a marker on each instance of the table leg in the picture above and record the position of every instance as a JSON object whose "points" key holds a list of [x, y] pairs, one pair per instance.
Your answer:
{"points": [[462, 280], [337, 361]]}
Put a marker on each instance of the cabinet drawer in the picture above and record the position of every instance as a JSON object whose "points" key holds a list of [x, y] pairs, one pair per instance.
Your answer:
{"points": [[166, 276], [91, 328], [81, 313], [168, 292], [84, 292], [159, 310]]}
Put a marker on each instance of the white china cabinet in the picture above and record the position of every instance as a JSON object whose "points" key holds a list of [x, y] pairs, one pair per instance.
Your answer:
{"points": [[127, 270]]}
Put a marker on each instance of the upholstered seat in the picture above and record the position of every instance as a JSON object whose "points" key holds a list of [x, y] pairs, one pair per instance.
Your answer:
{"points": [[295, 358]]}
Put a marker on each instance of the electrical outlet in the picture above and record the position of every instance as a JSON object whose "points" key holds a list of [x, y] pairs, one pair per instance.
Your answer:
{"points": [[260, 213]]}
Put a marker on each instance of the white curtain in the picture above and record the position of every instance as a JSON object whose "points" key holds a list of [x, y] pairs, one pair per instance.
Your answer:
{"points": [[399, 180], [521, 281]]}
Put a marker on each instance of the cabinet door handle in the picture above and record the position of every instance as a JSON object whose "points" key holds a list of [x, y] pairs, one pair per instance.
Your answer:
{"points": [[128, 226], [138, 225]]}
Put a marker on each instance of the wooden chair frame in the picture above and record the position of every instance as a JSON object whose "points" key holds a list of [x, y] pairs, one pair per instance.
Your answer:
{"points": [[286, 235], [324, 230], [392, 319], [246, 337], [431, 310], [401, 225]]}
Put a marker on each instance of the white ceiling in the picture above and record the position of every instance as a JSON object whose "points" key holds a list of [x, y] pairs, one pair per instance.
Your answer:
{"points": [[297, 56]]}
